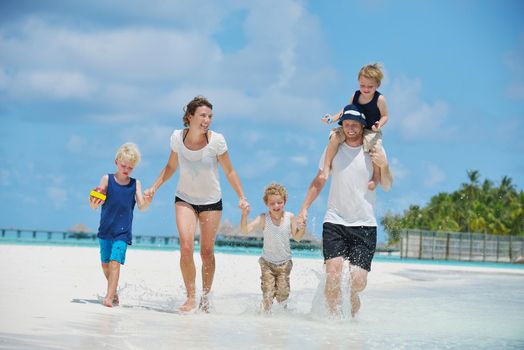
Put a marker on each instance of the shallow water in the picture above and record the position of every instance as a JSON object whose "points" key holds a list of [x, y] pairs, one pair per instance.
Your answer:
{"points": [[440, 310], [422, 308]]}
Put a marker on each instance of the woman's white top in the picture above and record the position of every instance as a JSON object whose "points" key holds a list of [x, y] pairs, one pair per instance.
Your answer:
{"points": [[277, 249], [198, 181]]}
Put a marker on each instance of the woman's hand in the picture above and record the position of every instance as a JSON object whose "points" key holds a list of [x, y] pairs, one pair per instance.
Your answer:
{"points": [[243, 203], [149, 194]]}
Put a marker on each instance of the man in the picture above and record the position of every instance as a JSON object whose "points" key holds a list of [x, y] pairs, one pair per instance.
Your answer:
{"points": [[349, 231]]}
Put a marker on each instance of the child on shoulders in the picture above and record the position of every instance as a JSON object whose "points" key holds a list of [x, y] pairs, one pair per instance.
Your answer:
{"points": [[373, 105]]}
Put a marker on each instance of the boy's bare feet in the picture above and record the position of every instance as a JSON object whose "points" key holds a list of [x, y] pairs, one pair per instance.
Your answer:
{"points": [[188, 306], [372, 185], [355, 303]]}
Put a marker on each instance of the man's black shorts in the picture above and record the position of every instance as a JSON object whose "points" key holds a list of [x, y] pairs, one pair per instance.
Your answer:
{"points": [[355, 243]]}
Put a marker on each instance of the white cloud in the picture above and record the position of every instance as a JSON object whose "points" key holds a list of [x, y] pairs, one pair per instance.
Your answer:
{"points": [[51, 84], [142, 70], [413, 117]]}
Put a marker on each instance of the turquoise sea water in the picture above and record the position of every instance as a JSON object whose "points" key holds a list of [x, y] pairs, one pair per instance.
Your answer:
{"points": [[168, 244]]}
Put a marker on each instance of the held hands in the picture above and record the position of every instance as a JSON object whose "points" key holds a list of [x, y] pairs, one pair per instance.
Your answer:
{"points": [[243, 203], [246, 210], [302, 218], [149, 194]]}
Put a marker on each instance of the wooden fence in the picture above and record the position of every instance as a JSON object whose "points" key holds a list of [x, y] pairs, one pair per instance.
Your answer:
{"points": [[432, 245]]}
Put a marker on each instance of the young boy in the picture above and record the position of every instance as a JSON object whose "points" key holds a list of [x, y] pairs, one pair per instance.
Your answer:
{"points": [[116, 217], [373, 105], [278, 226]]}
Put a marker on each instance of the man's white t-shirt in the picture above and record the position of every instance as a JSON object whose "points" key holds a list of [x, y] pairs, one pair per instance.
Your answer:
{"points": [[350, 203], [198, 182]]}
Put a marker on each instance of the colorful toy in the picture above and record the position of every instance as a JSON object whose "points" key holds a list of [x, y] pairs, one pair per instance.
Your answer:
{"points": [[98, 193]]}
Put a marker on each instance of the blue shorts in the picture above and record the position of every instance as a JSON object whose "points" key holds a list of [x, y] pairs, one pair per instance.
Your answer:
{"points": [[112, 250]]}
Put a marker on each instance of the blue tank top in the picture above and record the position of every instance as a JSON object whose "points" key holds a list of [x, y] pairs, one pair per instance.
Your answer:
{"points": [[116, 218], [369, 109]]}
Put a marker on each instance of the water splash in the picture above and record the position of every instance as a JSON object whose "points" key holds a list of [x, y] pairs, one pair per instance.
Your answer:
{"points": [[319, 307]]}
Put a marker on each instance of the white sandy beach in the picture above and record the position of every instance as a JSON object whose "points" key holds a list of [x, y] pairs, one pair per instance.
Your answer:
{"points": [[49, 299]]}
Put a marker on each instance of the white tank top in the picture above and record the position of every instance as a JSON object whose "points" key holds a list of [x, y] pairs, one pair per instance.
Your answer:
{"points": [[277, 249], [350, 203]]}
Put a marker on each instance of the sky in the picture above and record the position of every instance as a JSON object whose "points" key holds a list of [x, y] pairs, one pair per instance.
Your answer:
{"points": [[78, 79]]}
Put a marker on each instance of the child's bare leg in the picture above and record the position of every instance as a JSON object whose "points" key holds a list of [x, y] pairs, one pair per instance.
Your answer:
{"points": [[375, 179], [112, 282], [105, 269], [331, 151]]}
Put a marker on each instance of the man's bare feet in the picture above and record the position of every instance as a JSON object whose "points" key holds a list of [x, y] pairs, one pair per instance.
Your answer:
{"points": [[355, 303], [204, 304], [372, 185], [188, 306], [116, 301]]}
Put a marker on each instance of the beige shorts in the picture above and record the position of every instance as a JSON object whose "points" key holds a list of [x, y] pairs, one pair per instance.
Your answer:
{"points": [[370, 137], [274, 279]]}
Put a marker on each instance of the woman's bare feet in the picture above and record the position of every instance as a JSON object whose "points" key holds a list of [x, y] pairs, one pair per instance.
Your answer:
{"points": [[107, 302], [188, 306]]}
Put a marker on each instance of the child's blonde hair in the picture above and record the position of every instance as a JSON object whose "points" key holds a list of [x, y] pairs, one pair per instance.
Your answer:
{"points": [[128, 152], [372, 71], [275, 189]]}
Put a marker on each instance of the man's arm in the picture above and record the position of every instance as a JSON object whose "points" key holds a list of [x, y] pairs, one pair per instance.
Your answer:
{"points": [[312, 193]]}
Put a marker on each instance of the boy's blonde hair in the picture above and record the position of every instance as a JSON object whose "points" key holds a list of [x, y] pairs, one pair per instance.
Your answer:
{"points": [[129, 152], [275, 189], [373, 72]]}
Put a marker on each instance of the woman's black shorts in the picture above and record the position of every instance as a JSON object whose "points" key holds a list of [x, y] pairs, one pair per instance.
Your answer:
{"points": [[198, 208]]}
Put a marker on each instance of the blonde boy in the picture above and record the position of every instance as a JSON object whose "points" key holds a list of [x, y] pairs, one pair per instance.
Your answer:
{"points": [[278, 226], [116, 218]]}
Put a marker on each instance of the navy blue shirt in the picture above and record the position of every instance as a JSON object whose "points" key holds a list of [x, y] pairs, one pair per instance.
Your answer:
{"points": [[116, 219], [369, 109]]}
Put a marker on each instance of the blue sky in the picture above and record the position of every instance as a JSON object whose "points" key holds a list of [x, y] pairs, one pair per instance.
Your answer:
{"points": [[77, 79]]}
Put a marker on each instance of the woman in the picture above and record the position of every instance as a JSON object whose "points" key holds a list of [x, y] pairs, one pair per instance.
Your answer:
{"points": [[197, 151]]}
